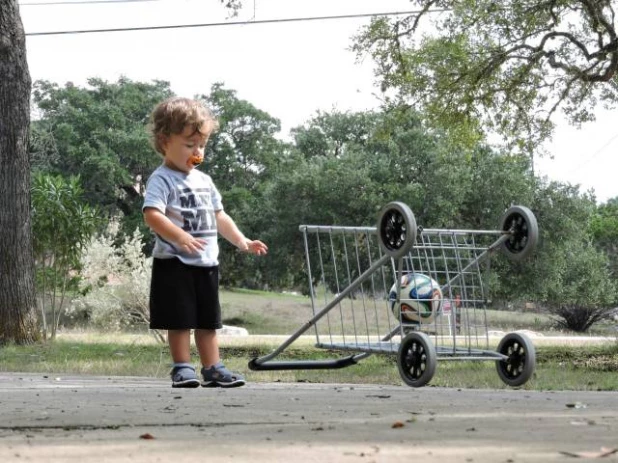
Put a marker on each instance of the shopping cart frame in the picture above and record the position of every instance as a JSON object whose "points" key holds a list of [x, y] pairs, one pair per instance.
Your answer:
{"points": [[417, 356]]}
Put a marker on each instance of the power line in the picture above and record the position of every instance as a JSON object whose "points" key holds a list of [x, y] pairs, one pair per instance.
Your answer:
{"points": [[234, 23], [84, 2], [595, 154]]}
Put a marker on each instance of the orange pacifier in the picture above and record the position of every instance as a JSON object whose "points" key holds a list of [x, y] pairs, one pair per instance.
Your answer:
{"points": [[195, 160]]}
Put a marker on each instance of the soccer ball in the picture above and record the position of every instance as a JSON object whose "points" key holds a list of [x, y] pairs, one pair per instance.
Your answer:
{"points": [[420, 299]]}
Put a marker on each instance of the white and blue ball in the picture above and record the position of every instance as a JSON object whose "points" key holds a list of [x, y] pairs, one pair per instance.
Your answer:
{"points": [[420, 299]]}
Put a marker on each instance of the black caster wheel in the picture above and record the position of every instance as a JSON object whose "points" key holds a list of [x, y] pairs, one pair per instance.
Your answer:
{"points": [[416, 359], [397, 229], [519, 366], [519, 223]]}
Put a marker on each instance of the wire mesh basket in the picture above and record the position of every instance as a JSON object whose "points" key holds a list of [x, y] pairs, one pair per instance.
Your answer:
{"points": [[419, 294]]}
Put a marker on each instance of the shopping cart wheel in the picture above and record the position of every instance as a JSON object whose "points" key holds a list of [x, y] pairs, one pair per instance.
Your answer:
{"points": [[397, 229], [519, 366], [416, 359], [520, 224]]}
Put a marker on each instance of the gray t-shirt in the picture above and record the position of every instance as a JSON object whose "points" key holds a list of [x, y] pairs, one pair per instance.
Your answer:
{"points": [[189, 201]]}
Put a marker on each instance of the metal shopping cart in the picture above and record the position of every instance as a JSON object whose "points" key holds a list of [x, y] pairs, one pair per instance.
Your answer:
{"points": [[360, 280]]}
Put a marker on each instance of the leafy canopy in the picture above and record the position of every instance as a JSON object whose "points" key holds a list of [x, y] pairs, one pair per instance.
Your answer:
{"points": [[485, 67]]}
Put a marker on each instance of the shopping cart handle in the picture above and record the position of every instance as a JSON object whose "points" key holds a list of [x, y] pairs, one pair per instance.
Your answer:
{"points": [[304, 364]]}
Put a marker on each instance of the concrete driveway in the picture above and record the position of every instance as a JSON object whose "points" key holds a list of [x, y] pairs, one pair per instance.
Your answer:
{"points": [[119, 419]]}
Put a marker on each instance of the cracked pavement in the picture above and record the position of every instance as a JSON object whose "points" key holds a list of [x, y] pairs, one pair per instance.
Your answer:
{"points": [[118, 419]]}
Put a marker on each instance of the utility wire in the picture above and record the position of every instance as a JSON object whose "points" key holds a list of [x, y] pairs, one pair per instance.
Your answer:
{"points": [[235, 23], [85, 2], [595, 154]]}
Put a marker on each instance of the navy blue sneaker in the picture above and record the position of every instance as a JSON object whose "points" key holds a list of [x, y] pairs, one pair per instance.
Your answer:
{"points": [[183, 375], [219, 376]]}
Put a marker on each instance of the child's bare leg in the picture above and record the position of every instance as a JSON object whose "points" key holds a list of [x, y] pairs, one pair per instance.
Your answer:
{"points": [[180, 345], [207, 346]]}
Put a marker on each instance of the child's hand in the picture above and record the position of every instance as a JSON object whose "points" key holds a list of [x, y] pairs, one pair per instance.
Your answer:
{"points": [[254, 247], [190, 244]]}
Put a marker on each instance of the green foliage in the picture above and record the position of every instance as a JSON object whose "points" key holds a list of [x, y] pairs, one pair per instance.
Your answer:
{"points": [[479, 67], [62, 226], [574, 273], [369, 159], [604, 230], [100, 133], [496, 182], [567, 274], [586, 290], [340, 169], [245, 145], [587, 293], [563, 215], [241, 158]]}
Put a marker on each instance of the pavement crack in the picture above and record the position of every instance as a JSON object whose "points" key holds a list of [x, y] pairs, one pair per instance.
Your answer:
{"points": [[87, 427]]}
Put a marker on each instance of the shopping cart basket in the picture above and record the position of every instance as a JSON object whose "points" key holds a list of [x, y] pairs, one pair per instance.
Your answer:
{"points": [[359, 279]]}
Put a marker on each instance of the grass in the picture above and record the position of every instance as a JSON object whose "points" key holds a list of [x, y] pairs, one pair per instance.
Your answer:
{"points": [[572, 366], [263, 312], [558, 367]]}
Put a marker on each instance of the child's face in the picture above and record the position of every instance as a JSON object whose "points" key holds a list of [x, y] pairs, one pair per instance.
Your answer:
{"points": [[184, 151]]}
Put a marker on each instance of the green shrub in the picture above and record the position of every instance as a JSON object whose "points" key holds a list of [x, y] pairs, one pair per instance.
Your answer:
{"points": [[62, 226]]}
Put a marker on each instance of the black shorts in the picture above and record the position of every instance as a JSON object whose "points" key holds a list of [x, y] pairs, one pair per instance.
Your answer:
{"points": [[184, 296]]}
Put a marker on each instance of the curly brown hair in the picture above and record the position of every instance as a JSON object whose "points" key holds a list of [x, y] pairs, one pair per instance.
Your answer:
{"points": [[173, 115]]}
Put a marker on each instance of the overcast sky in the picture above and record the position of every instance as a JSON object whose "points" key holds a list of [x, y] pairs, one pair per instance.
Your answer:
{"points": [[288, 69]]}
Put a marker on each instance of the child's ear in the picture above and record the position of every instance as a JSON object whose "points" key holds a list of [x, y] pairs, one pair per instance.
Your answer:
{"points": [[162, 140]]}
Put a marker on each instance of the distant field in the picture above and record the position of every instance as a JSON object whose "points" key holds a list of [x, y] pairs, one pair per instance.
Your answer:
{"points": [[274, 316], [281, 314]]}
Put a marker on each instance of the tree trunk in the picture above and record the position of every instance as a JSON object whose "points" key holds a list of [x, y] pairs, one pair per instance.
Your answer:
{"points": [[17, 291]]}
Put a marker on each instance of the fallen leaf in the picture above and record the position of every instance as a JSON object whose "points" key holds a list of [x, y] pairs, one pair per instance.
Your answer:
{"points": [[576, 405], [147, 436], [397, 424]]}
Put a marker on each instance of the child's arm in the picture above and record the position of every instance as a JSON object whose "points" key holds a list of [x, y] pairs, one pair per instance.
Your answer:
{"points": [[228, 229], [166, 229]]}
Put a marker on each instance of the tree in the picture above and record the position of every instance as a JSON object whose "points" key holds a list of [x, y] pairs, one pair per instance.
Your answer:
{"points": [[245, 146], [347, 166], [99, 133], [241, 157], [566, 275], [17, 291], [604, 229], [587, 293], [487, 67], [392, 157]]}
